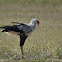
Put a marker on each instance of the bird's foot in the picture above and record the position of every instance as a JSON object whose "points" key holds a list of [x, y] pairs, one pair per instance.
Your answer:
{"points": [[16, 57], [23, 57]]}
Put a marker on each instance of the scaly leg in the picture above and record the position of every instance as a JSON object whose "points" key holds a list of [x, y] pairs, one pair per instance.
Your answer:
{"points": [[22, 52]]}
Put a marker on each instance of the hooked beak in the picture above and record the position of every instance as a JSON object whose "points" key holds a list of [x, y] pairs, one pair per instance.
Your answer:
{"points": [[38, 23]]}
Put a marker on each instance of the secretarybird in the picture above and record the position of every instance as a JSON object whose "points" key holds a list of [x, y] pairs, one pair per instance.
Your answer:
{"points": [[21, 29]]}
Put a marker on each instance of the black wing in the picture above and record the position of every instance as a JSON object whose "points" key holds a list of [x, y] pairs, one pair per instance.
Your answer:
{"points": [[18, 23], [9, 28]]}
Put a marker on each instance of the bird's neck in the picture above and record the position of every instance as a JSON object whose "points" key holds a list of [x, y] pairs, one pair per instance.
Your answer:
{"points": [[33, 24]]}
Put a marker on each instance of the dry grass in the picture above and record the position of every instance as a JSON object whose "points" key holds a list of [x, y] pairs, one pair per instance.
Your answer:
{"points": [[44, 44]]}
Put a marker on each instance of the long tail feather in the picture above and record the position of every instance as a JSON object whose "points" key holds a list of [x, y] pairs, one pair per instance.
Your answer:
{"points": [[3, 27], [6, 28]]}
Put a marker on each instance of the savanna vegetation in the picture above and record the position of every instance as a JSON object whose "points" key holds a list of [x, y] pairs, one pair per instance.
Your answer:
{"points": [[45, 43]]}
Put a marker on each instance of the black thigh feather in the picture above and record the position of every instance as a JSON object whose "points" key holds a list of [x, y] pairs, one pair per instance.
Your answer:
{"points": [[22, 39]]}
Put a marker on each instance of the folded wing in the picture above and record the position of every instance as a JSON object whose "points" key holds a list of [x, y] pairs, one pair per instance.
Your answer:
{"points": [[20, 28]]}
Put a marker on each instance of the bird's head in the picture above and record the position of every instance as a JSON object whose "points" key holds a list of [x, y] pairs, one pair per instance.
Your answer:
{"points": [[35, 21]]}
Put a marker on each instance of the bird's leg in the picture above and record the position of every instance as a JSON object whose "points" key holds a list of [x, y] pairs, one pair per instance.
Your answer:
{"points": [[22, 52], [22, 40]]}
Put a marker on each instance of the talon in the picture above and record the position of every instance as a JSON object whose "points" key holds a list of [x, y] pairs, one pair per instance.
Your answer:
{"points": [[23, 57]]}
